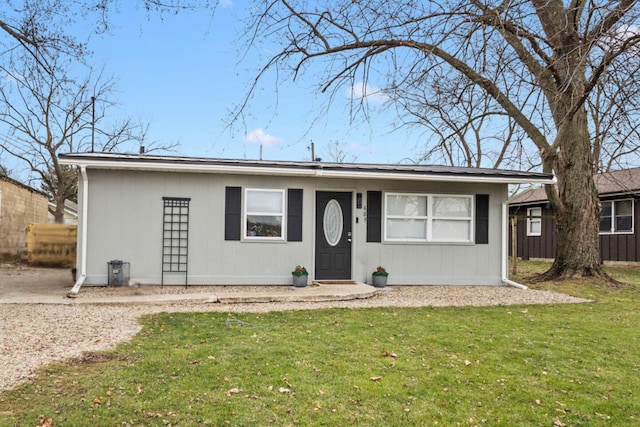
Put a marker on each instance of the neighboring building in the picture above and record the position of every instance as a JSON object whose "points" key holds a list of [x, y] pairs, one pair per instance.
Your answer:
{"points": [[70, 212], [20, 205], [620, 197], [182, 220]]}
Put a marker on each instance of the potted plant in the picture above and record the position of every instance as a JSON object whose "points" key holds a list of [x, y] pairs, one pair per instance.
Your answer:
{"points": [[300, 276], [379, 277]]}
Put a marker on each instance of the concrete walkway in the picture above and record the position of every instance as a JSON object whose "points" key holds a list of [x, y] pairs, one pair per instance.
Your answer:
{"points": [[26, 285]]}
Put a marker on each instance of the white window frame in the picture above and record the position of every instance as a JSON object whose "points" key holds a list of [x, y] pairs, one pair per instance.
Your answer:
{"points": [[612, 229], [429, 218], [534, 218], [282, 215]]}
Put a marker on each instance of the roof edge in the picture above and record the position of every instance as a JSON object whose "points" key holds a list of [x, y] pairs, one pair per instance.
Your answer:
{"points": [[292, 168]]}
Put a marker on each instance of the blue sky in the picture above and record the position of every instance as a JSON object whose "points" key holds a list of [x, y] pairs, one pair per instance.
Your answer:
{"points": [[183, 74]]}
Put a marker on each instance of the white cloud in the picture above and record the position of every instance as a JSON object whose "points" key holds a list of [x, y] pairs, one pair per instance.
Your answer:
{"points": [[260, 137], [372, 94], [226, 3]]}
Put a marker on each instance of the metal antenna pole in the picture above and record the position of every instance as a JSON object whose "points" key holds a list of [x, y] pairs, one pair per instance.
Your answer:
{"points": [[93, 121]]}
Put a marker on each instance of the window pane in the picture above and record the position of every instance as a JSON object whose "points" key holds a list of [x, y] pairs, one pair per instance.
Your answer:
{"points": [[264, 201], [264, 226], [405, 205], [605, 224], [454, 231], [623, 223], [452, 207], [406, 229], [533, 212], [623, 208], [535, 226], [605, 217]]}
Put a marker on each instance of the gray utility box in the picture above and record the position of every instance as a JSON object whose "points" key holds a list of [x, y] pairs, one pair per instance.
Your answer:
{"points": [[118, 273]]}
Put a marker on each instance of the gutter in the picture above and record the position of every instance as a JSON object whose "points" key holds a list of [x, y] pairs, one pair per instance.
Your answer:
{"points": [[83, 237], [505, 249]]}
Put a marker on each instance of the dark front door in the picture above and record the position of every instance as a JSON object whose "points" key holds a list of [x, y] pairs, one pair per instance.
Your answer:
{"points": [[333, 235]]}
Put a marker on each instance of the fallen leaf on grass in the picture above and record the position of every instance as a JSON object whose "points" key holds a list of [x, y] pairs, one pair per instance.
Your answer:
{"points": [[284, 390], [234, 390], [375, 378], [45, 422]]}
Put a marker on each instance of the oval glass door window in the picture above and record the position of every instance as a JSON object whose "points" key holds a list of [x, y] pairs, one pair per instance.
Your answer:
{"points": [[333, 222]]}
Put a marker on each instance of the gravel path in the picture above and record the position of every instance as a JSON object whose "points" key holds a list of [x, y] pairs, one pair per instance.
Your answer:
{"points": [[33, 335]]}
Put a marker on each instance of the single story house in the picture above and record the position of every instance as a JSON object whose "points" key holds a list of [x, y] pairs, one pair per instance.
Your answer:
{"points": [[619, 240], [198, 221], [20, 205]]}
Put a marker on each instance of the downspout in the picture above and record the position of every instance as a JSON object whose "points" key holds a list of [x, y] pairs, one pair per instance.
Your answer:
{"points": [[83, 236], [505, 249]]}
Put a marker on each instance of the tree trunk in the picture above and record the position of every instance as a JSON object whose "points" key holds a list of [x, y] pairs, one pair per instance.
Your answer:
{"points": [[576, 205], [58, 214]]}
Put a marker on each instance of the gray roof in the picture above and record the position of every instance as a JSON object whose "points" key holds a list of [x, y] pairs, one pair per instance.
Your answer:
{"points": [[70, 206], [626, 181], [326, 169]]}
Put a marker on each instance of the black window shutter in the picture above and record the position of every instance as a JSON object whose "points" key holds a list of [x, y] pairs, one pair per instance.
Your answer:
{"points": [[232, 213], [294, 215], [482, 219], [374, 216]]}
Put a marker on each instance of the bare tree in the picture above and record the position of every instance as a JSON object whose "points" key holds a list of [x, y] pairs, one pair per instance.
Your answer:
{"points": [[462, 126], [614, 113], [42, 28], [338, 152], [538, 60], [45, 111]]}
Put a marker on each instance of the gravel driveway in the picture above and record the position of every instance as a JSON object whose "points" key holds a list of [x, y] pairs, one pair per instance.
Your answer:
{"points": [[33, 335]]}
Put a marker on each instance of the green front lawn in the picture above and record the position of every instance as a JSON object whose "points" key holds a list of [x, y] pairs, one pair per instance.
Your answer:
{"points": [[549, 365]]}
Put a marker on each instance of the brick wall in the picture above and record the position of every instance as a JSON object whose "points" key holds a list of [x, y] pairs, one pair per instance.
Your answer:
{"points": [[20, 206]]}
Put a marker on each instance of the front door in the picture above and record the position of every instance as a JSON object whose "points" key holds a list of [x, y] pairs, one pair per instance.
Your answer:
{"points": [[333, 235]]}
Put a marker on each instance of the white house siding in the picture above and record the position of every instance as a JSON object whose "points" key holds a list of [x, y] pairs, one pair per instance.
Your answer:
{"points": [[125, 222]]}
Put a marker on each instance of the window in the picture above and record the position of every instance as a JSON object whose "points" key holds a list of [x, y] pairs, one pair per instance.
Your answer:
{"points": [[534, 221], [428, 218], [451, 219], [264, 214], [616, 216]]}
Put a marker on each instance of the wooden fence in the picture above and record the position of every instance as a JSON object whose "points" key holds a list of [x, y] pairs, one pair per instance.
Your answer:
{"points": [[52, 244]]}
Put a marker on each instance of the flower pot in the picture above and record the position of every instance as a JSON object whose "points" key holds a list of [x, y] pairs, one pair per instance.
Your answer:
{"points": [[379, 281], [300, 281]]}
